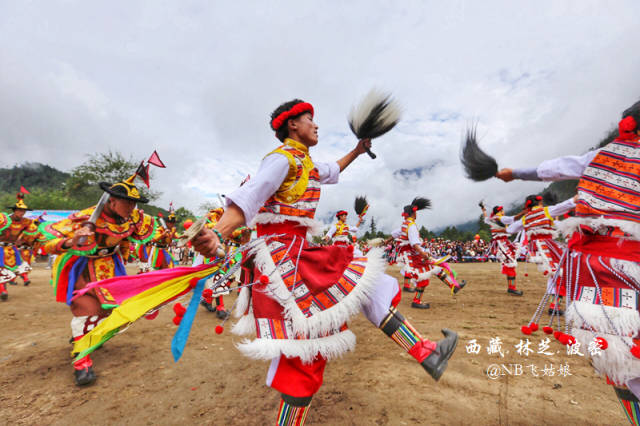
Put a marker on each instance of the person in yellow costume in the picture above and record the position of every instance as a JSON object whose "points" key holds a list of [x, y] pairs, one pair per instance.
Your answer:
{"points": [[94, 247], [15, 230], [160, 256]]}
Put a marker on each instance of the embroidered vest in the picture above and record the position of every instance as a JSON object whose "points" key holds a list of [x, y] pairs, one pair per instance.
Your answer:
{"points": [[610, 185], [299, 194], [497, 231], [538, 221], [403, 239]]}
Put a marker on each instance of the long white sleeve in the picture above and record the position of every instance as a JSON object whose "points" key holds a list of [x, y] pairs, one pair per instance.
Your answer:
{"points": [[516, 226], [564, 168], [396, 233], [414, 235], [561, 208]]}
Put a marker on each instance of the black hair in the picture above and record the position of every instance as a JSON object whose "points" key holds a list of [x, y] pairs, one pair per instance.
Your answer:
{"points": [[283, 132], [532, 200], [496, 209]]}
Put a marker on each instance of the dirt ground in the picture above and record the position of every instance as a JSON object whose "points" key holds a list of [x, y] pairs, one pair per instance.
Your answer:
{"points": [[138, 382]]}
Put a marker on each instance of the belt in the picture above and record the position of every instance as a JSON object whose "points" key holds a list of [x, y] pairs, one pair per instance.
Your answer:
{"points": [[103, 252]]}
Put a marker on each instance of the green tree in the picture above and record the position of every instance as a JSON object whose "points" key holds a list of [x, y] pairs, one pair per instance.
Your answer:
{"points": [[110, 167]]}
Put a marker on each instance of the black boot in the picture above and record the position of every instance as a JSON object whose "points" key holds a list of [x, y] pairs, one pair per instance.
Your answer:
{"points": [[436, 363], [222, 314], [457, 289], [420, 305], [209, 306], [515, 292], [85, 377], [4, 296]]}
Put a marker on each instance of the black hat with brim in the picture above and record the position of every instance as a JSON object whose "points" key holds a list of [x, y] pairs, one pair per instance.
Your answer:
{"points": [[123, 190]]}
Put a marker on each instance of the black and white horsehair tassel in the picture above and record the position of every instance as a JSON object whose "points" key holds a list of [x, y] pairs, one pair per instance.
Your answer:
{"points": [[375, 115], [478, 165]]}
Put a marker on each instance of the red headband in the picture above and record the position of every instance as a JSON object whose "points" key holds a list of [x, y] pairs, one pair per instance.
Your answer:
{"points": [[297, 109], [341, 212], [626, 128]]}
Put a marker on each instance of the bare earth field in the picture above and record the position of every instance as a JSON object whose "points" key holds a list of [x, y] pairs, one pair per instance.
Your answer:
{"points": [[138, 382]]}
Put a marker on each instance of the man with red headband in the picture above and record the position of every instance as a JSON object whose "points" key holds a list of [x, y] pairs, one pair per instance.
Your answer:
{"points": [[501, 246], [340, 233], [601, 265], [306, 293], [543, 250]]}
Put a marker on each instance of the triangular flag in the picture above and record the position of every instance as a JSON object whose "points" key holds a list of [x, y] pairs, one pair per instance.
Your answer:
{"points": [[155, 160], [143, 173], [23, 190]]}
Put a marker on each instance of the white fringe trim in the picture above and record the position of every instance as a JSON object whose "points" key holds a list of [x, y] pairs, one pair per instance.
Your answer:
{"points": [[245, 325], [628, 268], [313, 226], [626, 320], [329, 347], [571, 225], [616, 361], [331, 319], [242, 303]]}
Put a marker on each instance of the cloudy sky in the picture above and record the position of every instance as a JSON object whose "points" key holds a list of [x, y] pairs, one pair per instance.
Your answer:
{"points": [[196, 80]]}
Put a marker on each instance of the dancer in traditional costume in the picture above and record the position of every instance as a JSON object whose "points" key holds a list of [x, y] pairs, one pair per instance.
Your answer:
{"points": [[306, 293], [542, 248], [600, 269], [213, 216], [93, 246], [16, 233], [340, 233], [159, 256], [501, 246], [417, 261]]}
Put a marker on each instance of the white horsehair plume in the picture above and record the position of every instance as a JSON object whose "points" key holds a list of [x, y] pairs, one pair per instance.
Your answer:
{"points": [[375, 115]]}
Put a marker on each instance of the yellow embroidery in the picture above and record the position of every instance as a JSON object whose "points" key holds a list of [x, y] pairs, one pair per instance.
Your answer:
{"points": [[291, 189]]}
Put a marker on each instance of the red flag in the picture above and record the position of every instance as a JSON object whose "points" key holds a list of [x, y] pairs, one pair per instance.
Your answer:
{"points": [[155, 160], [143, 173], [23, 190]]}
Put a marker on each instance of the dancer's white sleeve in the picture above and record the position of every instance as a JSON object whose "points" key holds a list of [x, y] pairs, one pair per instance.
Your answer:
{"points": [[516, 226], [414, 235], [561, 168], [332, 230], [561, 208], [396, 233], [272, 172]]}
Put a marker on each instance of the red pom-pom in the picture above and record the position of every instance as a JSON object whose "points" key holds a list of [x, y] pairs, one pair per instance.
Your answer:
{"points": [[207, 293], [179, 309], [264, 279], [526, 275], [557, 334], [570, 340], [635, 351], [350, 249], [219, 329], [602, 343], [177, 319], [547, 329], [152, 315], [525, 330], [564, 339], [533, 326], [545, 273], [193, 282]]}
